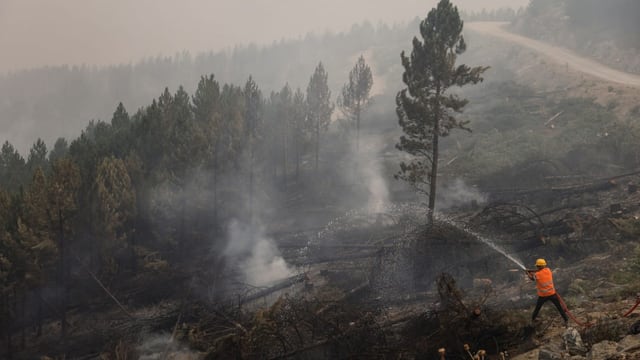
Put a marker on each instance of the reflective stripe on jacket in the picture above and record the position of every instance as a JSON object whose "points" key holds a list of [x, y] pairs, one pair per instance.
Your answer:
{"points": [[544, 282]]}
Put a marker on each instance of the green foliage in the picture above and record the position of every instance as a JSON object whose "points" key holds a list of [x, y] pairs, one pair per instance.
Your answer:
{"points": [[60, 150], [319, 107], [182, 138], [300, 136], [207, 112], [354, 97], [510, 137], [279, 137], [121, 140], [12, 168], [37, 157], [12, 264], [253, 109], [5, 210], [63, 189], [233, 102], [425, 108], [35, 230], [115, 201], [206, 100]]}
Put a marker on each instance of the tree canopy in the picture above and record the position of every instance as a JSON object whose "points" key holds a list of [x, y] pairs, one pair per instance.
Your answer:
{"points": [[426, 108]]}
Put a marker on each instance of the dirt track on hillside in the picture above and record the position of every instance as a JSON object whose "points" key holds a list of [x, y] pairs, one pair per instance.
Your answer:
{"points": [[558, 54]]}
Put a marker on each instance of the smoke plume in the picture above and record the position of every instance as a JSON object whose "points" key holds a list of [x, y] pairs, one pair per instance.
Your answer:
{"points": [[256, 255], [457, 193], [369, 171]]}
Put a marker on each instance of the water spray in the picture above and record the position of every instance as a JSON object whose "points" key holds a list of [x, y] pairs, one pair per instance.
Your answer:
{"points": [[486, 241]]}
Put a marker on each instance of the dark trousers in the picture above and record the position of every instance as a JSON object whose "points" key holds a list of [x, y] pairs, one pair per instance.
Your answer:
{"points": [[554, 299]]}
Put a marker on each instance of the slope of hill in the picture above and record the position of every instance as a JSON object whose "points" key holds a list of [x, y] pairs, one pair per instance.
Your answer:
{"points": [[607, 31], [547, 156]]}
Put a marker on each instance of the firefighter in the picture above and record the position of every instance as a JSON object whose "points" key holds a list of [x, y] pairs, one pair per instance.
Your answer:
{"points": [[544, 284]]}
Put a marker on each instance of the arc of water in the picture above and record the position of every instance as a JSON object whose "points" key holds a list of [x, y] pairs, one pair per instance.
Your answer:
{"points": [[489, 243]]}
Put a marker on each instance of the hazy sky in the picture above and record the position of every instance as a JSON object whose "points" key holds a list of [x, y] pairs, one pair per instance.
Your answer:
{"points": [[52, 32]]}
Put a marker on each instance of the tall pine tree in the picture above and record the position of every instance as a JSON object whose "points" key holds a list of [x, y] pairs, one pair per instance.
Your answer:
{"points": [[425, 107], [355, 94], [319, 106]]}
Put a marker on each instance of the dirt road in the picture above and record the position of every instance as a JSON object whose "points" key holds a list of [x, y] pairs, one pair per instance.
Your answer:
{"points": [[558, 54]]}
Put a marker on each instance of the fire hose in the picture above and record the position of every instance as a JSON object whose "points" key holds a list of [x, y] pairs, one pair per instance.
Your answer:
{"points": [[566, 309]]}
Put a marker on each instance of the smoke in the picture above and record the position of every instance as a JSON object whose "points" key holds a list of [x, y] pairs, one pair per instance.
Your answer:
{"points": [[256, 254], [457, 193], [162, 346], [369, 173]]}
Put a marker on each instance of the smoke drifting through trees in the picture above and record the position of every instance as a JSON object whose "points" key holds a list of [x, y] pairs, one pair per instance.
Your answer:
{"points": [[197, 175], [456, 193], [255, 254]]}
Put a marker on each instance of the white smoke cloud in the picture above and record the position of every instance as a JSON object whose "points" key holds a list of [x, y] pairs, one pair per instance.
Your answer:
{"points": [[370, 172], [163, 346], [258, 256], [457, 193]]}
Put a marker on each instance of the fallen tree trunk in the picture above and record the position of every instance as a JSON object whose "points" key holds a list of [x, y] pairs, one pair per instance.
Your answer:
{"points": [[281, 285]]}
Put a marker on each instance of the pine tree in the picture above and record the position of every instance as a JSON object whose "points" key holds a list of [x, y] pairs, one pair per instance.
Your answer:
{"points": [[37, 157], [206, 112], [120, 118], [252, 126], [63, 204], [12, 168], [355, 94], [319, 106], [60, 150], [182, 138], [208, 116], [279, 134], [121, 132], [115, 205], [425, 108], [298, 117], [35, 233]]}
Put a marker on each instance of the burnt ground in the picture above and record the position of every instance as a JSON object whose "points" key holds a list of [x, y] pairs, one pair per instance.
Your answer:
{"points": [[383, 286]]}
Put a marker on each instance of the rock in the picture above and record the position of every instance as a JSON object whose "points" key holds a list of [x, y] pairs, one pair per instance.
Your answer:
{"points": [[573, 342], [596, 316], [551, 351], [605, 350], [630, 344], [529, 355], [548, 354]]}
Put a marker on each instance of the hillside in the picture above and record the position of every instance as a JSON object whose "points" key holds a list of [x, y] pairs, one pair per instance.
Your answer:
{"points": [[205, 223], [605, 31]]}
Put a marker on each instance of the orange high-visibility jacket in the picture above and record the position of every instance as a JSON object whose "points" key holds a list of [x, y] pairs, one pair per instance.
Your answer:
{"points": [[544, 282]]}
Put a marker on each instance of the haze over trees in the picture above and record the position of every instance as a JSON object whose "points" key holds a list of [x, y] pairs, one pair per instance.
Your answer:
{"points": [[76, 94], [354, 98], [319, 107], [426, 108], [167, 180], [146, 200]]}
